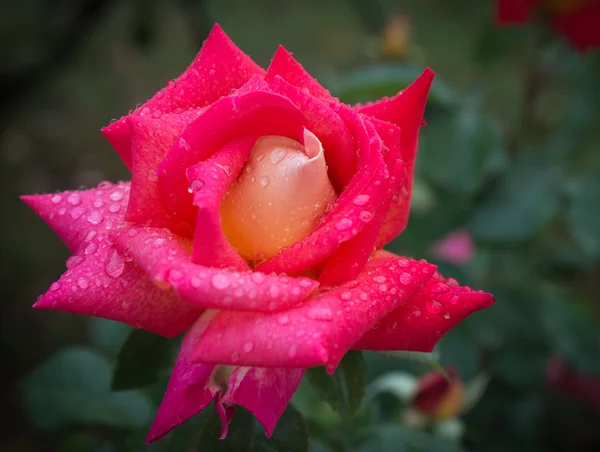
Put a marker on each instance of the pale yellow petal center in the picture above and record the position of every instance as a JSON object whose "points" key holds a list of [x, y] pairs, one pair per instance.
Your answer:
{"points": [[279, 197]]}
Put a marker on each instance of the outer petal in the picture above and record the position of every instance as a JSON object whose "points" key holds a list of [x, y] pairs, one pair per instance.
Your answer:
{"points": [[264, 392], [406, 111], [190, 388], [319, 331], [353, 210], [219, 68], [581, 26], [151, 139], [284, 65], [325, 123], [259, 113], [209, 181], [101, 281], [420, 323], [167, 258], [348, 261]]}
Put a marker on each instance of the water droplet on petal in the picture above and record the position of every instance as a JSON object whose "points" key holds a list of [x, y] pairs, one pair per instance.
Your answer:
{"points": [[248, 346], [365, 216], [439, 287], [115, 265], [283, 320], [405, 278], [74, 261], [257, 278], [91, 248], [379, 279], [83, 283], [235, 357], [433, 306], [343, 224], [264, 181], [447, 316], [56, 199], [346, 296], [114, 208], [95, 217], [116, 196], [320, 313], [274, 291], [54, 286], [361, 200], [292, 351], [220, 281], [74, 199], [277, 156], [76, 212]]}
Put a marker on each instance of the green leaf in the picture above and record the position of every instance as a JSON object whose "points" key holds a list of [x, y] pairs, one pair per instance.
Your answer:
{"points": [[391, 437], [373, 82], [85, 443], [201, 433], [73, 387], [583, 215], [525, 200], [108, 335], [344, 389], [461, 149], [141, 360]]}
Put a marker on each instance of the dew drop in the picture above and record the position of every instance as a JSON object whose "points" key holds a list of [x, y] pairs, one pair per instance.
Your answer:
{"points": [[220, 281], [76, 212], [56, 199], [264, 181], [98, 203], [439, 287], [346, 296], [90, 235], [133, 232], [74, 261], [379, 279], [62, 210], [364, 296], [54, 286], [211, 72], [114, 208], [277, 156], [91, 248], [248, 346], [361, 200], [320, 313], [258, 278], [433, 306], [405, 278], [235, 357], [283, 320], [292, 351], [116, 196], [95, 217], [74, 199], [365, 216], [447, 316], [382, 287], [115, 265], [343, 224], [274, 291], [82, 283]]}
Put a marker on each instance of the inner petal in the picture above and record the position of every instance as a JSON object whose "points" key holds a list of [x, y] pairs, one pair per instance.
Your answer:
{"points": [[279, 197]]}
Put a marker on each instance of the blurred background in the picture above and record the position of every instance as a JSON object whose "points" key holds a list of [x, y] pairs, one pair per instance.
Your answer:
{"points": [[507, 199]]}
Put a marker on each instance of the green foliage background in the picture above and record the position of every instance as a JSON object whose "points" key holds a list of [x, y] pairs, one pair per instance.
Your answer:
{"points": [[511, 153]]}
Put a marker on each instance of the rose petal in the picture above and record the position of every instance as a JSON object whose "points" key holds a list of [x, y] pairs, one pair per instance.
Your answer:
{"points": [[320, 330], [421, 322], [264, 392], [219, 67], [189, 390], [77, 216], [209, 181], [284, 65], [326, 124], [151, 140], [406, 111], [349, 214], [259, 113], [166, 258], [348, 261]]}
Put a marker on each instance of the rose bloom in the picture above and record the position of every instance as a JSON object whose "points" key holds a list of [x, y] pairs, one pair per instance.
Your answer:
{"points": [[577, 20], [438, 397], [457, 248], [254, 221]]}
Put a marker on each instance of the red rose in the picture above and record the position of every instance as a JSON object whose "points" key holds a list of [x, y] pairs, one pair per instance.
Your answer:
{"points": [[438, 397], [577, 19], [256, 203]]}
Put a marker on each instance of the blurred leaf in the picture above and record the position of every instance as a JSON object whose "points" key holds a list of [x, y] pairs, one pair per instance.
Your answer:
{"points": [[462, 148], [495, 43], [401, 384], [583, 214], [525, 200], [374, 82], [520, 364], [571, 330], [202, 433], [85, 443], [73, 387], [108, 335], [344, 389], [431, 359], [459, 351], [388, 437], [141, 360]]}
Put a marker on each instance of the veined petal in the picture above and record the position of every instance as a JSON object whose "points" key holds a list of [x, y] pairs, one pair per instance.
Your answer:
{"points": [[259, 113], [209, 181], [264, 392], [284, 65], [219, 68], [331, 130], [429, 314], [151, 139], [319, 331], [167, 258], [406, 111]]}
